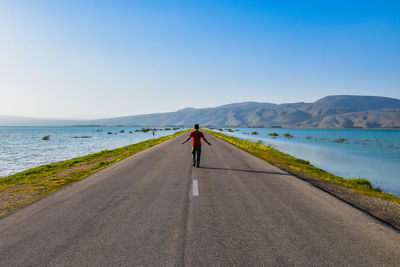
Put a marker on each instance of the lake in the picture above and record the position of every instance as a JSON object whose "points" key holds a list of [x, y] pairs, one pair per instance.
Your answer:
{"points": [[22, 148], [368, 153]]}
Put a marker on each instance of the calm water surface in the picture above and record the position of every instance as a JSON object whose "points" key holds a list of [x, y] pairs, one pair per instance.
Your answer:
{"points": [[371, 154], [22, 148]]}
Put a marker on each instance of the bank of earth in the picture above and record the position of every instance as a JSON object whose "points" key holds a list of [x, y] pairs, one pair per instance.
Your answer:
{"points": [[28, 186], [358, 192]]}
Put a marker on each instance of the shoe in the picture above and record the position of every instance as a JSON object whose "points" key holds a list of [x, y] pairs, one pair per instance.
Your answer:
{"points": [[198, 165], [194, 163]]}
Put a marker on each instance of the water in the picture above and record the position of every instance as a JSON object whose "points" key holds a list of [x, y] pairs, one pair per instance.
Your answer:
{"points": [[22, 148], [371, 154]]}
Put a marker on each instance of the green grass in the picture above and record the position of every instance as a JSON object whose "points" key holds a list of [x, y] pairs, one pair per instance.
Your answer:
{"points": [[27, 186], [280, 159]]}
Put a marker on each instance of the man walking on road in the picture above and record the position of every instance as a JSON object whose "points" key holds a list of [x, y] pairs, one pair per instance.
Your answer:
{"points": [[196, 145]]}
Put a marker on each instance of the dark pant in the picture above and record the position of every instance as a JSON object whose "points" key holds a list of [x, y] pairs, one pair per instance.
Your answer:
{"points": [[196, 150]]}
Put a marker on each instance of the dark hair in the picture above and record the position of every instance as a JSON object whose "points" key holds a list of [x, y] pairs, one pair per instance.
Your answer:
{"points": [[196, 126]]}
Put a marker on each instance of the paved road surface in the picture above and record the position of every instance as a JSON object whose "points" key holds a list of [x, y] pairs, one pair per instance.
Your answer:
{"points": [[142, 212]]}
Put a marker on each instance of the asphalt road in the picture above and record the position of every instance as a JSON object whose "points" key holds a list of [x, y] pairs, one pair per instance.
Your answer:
{"points": [[142, 212]]}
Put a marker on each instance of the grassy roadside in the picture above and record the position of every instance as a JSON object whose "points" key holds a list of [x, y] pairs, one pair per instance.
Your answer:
{"points": [[28, 186], [280, 159]]}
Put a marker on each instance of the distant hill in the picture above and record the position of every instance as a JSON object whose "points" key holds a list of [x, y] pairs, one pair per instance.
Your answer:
{"points": [[339, 111]]}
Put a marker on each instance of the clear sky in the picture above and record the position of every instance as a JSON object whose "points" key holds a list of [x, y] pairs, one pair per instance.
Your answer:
{"points": [[94, 59]]}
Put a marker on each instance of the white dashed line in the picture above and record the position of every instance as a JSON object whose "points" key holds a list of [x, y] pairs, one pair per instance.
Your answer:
{"points": [[195, 188]]}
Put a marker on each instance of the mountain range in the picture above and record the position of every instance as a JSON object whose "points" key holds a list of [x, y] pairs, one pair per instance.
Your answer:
{"points": [[338, 111]]}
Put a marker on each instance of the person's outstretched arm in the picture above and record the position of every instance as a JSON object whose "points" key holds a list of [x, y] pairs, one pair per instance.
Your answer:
{"points": [[204, 138], [187, 139]]}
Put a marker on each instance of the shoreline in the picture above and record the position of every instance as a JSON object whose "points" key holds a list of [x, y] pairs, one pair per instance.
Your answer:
{"points": [[29, 147], [25, 187], [357, 192], [370, 154]]}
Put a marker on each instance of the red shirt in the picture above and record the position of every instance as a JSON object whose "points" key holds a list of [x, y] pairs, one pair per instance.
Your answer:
{"points": [[196, 135]]}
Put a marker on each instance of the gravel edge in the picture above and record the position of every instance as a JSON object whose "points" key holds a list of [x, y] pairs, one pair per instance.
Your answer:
{"points": [[385, 211]]}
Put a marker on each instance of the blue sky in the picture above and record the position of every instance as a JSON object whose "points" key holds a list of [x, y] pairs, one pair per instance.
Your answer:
{"points": [[94, 59]]}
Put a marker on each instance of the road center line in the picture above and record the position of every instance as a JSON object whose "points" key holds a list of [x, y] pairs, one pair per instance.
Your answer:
{"points": [[195, 188]]}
